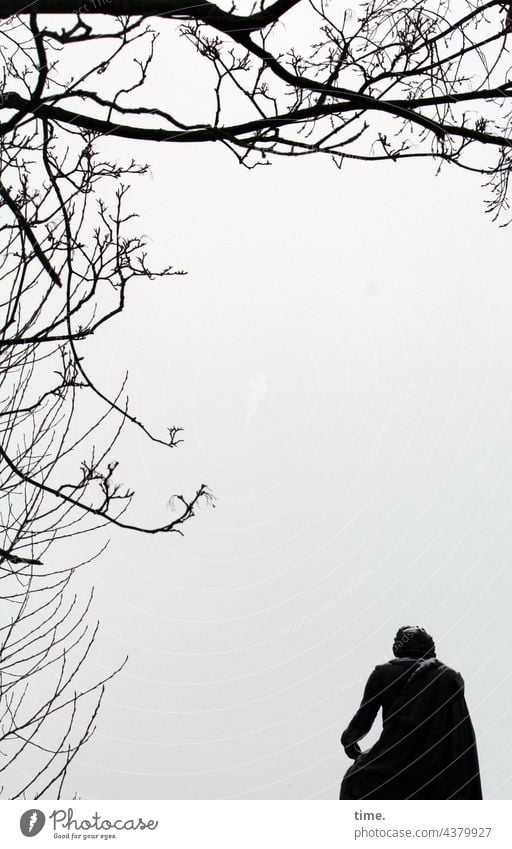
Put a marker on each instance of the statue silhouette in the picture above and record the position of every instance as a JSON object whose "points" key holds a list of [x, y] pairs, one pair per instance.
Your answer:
{"points": [[427, 748]]}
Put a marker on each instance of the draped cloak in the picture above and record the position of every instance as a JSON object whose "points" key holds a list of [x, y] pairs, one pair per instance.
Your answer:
{"points": [[427, 748]]}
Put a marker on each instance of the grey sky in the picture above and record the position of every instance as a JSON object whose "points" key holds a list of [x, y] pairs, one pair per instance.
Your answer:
{"points": [[339, 355]]}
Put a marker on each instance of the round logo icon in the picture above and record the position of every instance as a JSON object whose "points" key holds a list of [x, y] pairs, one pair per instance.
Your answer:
{"points": [[31, 822]]}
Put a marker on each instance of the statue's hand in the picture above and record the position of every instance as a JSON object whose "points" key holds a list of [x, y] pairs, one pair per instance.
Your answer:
{"points": [[353, 751]]}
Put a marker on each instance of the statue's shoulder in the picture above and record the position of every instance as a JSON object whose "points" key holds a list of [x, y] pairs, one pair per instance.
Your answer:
{"points": [[383, 666], [450, 676], [388, 669]]}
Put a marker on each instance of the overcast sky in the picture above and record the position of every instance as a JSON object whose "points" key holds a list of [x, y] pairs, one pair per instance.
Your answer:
{"points": [[339, 355]]}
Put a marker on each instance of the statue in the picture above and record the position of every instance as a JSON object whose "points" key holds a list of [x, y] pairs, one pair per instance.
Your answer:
{"points": [[427, 748]]}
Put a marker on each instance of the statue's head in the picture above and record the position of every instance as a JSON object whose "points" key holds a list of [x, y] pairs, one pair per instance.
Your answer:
{"points": [[413, 641]]}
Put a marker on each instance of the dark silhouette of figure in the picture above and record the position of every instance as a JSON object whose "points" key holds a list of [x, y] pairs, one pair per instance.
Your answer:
{"points": [[427, 748]]}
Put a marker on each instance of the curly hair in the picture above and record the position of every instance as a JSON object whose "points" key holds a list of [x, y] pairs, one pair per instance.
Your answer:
{"points": [[413, 641]]}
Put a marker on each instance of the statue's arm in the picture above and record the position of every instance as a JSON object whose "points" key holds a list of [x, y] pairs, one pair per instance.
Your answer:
{"points": [[364, 717]]}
